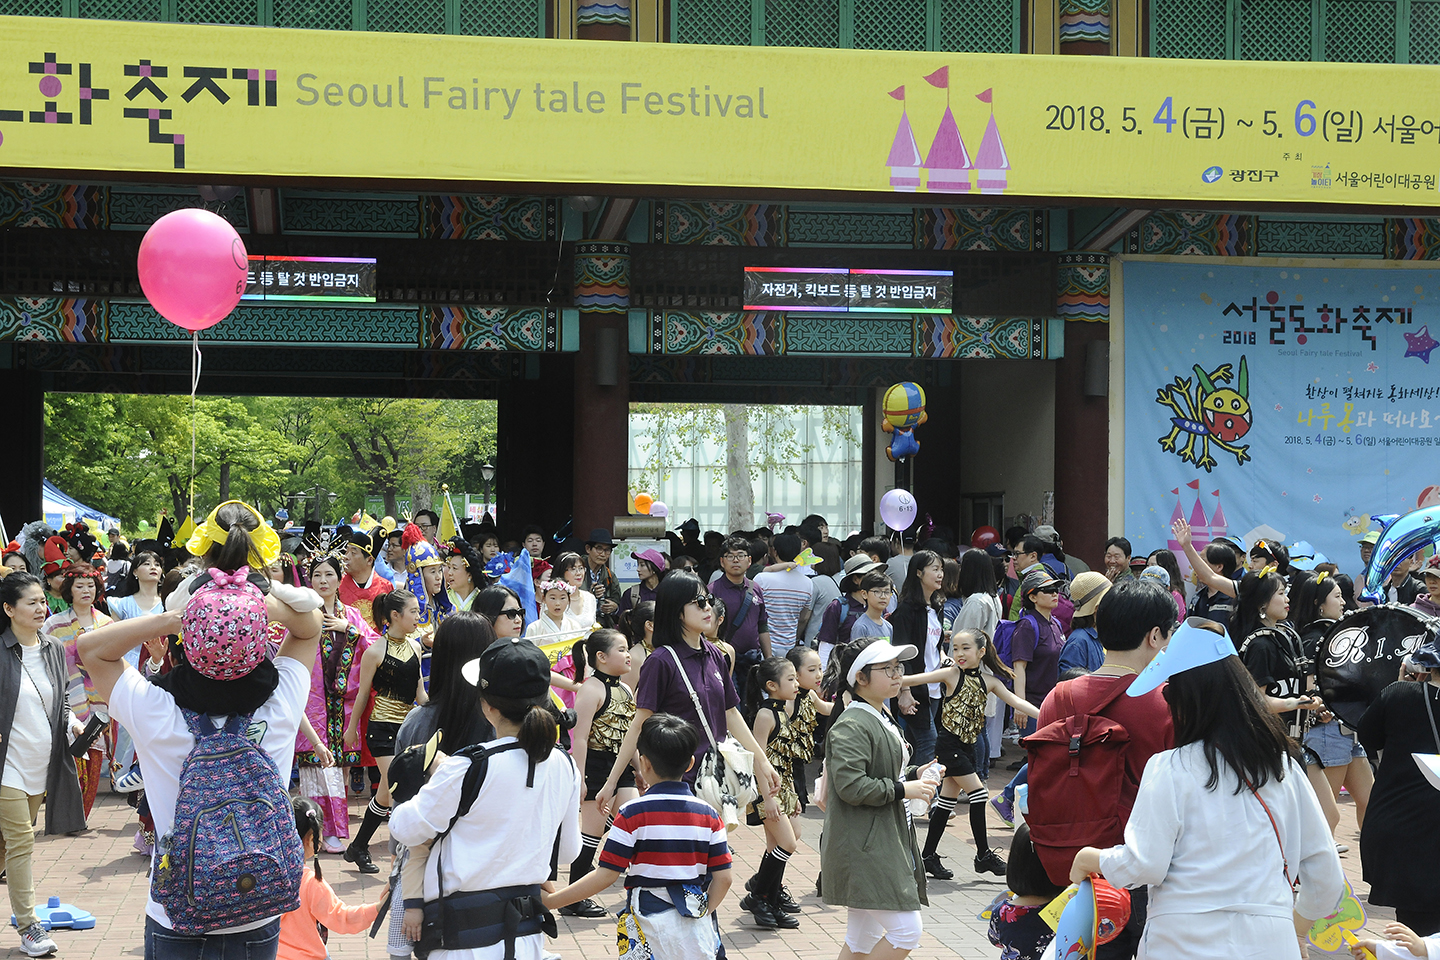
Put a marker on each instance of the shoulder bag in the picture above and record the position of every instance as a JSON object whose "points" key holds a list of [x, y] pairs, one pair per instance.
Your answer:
{"points": [[726, 779]]}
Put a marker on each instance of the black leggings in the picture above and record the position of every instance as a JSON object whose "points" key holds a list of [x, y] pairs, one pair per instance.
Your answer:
{"points": [[1424, 922]]}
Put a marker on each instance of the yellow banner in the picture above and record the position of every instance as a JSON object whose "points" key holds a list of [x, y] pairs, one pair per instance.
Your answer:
{"points": [[90, 97]]}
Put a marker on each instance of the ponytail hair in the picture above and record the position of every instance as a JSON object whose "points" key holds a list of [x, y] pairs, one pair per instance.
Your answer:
{"points": [[388, 603], [310, 822], [240, 547], [584, 652], [771, 668], [539, 726]]}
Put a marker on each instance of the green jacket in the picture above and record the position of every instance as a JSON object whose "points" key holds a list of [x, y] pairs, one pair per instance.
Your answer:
{"points": [[868, 853]]}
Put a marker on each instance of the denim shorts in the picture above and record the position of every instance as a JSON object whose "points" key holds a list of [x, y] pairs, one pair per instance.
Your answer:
{"points": [[1332, 744]]}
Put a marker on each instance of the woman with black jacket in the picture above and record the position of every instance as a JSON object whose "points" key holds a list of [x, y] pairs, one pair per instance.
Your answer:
{"points": [[917, 622]]}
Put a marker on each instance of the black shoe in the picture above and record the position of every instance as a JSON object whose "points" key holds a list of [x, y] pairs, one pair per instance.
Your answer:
{"points": [[1016, 765], [936, 869], [587, 908], [360, 856], [357, 779], [785, 900], [759, 910], [783, 920], [989, 862], [819, 890]]}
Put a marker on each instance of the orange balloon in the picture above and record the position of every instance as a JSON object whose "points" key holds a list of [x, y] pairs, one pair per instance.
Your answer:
{"points": [[642, 504]]}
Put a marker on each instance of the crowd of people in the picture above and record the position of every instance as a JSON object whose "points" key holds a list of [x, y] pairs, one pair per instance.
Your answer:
{"points": [[514, 732]]}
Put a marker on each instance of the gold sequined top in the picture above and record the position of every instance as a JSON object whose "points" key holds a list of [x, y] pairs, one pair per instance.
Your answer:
{"points": [[785, 744], [612, 720], [396, 677], [803, 724], [963, 712]]}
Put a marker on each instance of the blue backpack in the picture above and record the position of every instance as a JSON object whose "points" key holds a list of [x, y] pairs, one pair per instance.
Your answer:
{"points": [[234, 855], [1003, 631]]}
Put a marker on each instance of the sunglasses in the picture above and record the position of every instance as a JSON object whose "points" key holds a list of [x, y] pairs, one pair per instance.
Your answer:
{"points": [[1047, 590], [515, 613], [703, 602]]}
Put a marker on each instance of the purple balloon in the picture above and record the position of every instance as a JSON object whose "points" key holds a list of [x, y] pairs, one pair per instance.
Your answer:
{"points": [[658, 509], [1401, 537], [898, 509]]}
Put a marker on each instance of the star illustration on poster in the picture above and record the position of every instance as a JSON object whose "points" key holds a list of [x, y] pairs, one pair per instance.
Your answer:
{"points": [[1420, 344]]}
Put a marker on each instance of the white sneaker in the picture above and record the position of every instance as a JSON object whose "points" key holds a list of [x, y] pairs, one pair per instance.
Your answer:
{"points": [[130, 782], [1341, 848], [35, 941]]}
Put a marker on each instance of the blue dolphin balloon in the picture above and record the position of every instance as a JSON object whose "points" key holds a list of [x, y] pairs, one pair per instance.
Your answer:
{"points": [[1401, 537]]}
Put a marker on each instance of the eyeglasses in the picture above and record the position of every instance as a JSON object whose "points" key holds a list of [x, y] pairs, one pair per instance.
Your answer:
{"points": [[892, 671], [703, 602], [880, 592], [515, 613], [736, 557]]}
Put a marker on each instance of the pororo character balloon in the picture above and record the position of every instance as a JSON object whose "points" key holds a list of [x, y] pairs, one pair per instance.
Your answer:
{"points": [[904, 409]]}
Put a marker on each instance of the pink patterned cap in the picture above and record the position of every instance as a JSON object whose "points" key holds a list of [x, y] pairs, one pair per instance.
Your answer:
{"points": [[224, 625]]}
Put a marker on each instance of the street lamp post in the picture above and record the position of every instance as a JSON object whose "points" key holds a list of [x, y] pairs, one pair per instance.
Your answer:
{"points": [[487, 473]]}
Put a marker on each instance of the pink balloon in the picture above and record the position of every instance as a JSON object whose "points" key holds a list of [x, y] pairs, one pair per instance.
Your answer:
{"points": [[192, 268]]}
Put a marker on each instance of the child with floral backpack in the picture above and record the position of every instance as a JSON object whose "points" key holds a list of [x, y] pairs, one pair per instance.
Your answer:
{"points": [[219, 727]]}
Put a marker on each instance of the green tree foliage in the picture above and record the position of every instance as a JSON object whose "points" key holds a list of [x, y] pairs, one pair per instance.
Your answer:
{"points": [[131, 455]]}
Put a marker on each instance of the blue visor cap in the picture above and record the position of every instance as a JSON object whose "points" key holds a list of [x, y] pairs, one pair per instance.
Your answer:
{"points": [[1191, 646]]}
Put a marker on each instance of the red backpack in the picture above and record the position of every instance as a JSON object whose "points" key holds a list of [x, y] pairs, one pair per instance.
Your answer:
{"points": [[1077, 780]]}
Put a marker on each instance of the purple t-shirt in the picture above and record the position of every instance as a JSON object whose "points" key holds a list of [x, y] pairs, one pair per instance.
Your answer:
{"points": [[661, 690], [1042, 654], [747, 635]]}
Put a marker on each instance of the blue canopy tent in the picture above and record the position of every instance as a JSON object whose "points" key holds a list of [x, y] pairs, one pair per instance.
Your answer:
{"points": [[61, 508]]}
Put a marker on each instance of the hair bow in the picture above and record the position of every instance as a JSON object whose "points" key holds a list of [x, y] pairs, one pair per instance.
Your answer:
{"points": [[267, 541]]}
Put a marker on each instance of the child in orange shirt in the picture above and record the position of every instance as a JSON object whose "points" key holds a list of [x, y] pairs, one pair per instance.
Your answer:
{"points": [[303, 931]]}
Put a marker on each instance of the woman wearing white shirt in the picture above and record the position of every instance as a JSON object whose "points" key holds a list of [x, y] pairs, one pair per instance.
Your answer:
{"points": [[499, 850], [1225, 825], [34, 718]]}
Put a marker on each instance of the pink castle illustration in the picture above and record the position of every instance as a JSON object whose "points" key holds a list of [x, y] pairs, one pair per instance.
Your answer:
{"points": [[991, 162], [904, 160], [1203, 530], [948, 161]]}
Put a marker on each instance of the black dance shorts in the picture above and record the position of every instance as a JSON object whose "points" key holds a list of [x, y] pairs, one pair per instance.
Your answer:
{"points": [[598, 764], [957, 756], [380, 738]]}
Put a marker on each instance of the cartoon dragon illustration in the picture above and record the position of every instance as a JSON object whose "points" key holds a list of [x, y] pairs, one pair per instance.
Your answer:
{"points": [[1212, 414]]}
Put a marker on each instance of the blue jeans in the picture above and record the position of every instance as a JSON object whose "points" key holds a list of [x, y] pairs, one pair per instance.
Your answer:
{"points": [[258, 944], [982, 754], [1022, 777]]}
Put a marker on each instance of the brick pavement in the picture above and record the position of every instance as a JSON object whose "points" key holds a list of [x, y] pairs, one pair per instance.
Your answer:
{"points": [[98, 871]]}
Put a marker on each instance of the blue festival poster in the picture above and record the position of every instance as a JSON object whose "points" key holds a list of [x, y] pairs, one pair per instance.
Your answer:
{"points": [[1288, 402]]}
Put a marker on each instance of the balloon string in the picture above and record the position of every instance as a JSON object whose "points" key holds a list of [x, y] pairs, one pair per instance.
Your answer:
{"points": [[195, 361]]}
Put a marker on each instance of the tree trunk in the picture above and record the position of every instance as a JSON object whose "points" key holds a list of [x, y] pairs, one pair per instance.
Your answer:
{"points": [[392, 504], [424, 496], [178, 498], [739, 491], [224, 481]]}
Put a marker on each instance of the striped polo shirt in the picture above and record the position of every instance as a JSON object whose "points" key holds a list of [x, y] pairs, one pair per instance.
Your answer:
{"points": [[667, 836]]}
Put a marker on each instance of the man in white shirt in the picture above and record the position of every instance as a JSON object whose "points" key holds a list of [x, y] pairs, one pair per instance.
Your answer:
{"points": [[787, 595]]}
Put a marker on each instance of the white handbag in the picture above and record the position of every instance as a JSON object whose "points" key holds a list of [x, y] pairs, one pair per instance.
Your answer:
{"points": [[726, 778]]}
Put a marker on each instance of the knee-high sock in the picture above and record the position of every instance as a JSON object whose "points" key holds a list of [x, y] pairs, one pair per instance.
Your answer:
{"points": [[771, 867], [375, 815], [939, 818], [779, 857], [584, 863], [977, 798]]}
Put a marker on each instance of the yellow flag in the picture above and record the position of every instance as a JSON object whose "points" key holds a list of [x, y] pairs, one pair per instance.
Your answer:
{"points": [[182, 536], [449, 527]]}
